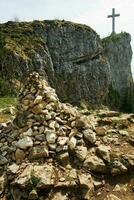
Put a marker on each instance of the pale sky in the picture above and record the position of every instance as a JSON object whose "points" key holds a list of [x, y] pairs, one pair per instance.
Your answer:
{"points": [[91, 12]]}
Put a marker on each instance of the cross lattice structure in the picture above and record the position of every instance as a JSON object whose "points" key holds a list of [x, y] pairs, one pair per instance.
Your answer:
{"points": [[113, 19]]}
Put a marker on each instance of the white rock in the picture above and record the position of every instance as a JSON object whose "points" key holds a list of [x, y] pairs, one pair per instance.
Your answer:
{"points": [[25, 143], [81, 152], [51, 136], [62, 140], [104, 152], [123, 133], [72, 142], [13, 168], [90, 135]]}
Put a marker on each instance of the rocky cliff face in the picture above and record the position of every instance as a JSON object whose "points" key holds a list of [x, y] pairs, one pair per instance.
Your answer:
{"points": [[118, 51], [70, 55]]}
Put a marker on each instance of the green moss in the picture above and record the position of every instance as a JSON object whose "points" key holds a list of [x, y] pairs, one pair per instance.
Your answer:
{"points": [[114, 37]]}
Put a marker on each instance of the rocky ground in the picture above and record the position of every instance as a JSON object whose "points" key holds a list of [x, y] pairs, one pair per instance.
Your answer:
{"points": [[54, 151]]}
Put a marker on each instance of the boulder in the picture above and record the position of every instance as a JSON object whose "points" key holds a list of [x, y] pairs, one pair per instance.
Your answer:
{"points": [[93, 163]]}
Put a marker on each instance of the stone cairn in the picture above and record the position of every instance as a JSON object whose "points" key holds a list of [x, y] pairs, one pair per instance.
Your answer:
{"points": [[44, 127], [49, 146], [44, 131]]}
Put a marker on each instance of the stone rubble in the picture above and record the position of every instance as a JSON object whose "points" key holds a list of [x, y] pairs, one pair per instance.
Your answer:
{"points": [[53, 145]]}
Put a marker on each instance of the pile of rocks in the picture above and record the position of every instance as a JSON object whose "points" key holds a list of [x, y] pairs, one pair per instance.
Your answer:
{"points": [[44, 127], [52, 145]]}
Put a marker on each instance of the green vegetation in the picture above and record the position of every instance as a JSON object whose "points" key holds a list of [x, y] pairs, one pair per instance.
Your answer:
{"points": [[34, 180], [7, 101], [114, 37], [23, 38], [20, 38], [6, 89]]}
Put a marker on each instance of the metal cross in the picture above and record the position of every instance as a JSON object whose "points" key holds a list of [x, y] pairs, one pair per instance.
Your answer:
{"points": [[113, 19]]}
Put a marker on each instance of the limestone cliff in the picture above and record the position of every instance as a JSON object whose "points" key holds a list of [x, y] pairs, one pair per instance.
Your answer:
{"points": [[118, 51], [70, 55]]}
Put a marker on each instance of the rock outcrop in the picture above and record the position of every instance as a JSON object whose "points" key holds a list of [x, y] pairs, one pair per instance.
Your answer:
{"points": [[52, 150], [72, 58], [69, 54], [118, 51]]}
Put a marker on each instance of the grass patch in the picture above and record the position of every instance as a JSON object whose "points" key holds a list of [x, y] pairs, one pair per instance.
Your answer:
{"points": [[4, 103], [7, 101]]}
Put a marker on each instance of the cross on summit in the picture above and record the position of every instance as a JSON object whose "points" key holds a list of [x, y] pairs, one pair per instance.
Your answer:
{"points": [[113, 19]]}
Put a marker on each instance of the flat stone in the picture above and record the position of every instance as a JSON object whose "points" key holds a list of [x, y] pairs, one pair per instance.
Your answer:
{"points": [[109, 114], [40, 137]]}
